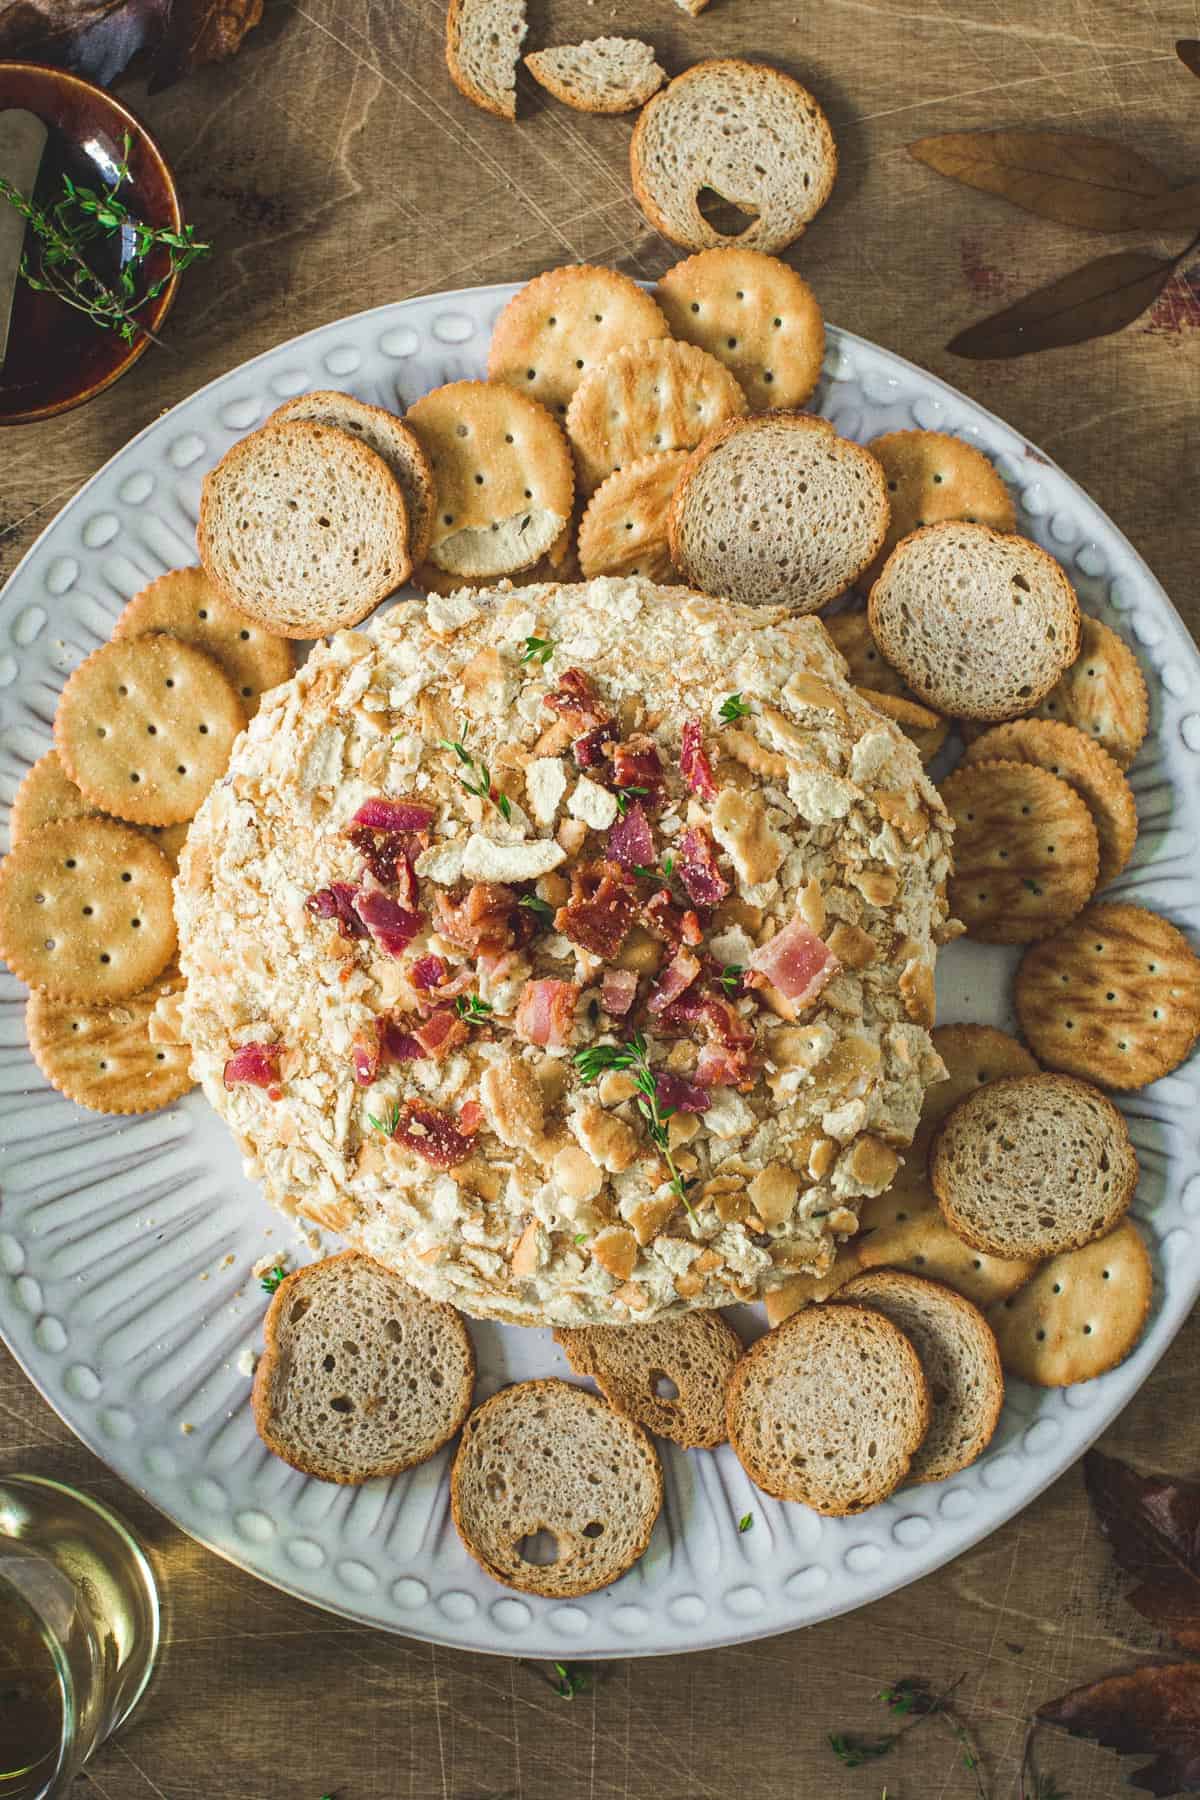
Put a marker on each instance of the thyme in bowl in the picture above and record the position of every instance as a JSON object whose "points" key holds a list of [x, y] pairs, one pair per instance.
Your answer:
{"points": [[82, 218]]}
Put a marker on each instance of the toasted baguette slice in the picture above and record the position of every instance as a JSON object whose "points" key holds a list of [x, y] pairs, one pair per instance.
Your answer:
{"points": [[979, 623], [303, 528], [958, 1353], [603, 75], [483, 47], [636, 1368], [360, 1375], [388, 437], [1033, 1165], [744, 130], [544, 1459], [777, 510], [829, 1409]]}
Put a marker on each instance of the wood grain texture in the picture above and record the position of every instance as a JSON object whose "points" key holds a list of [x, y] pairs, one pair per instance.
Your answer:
{"points": [[335, 168]]}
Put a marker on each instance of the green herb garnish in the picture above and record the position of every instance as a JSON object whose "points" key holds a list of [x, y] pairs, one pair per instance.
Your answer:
{"points": [[732, 708], [746, 1522], [538, 650], [663, 874], [571, 1680], [625, 795], [598, 1059], [271, 1280], [536, 904], [913, 1701], [390, 1125], [730, 977], [476, 777], [472, 1008], [84, 216]]}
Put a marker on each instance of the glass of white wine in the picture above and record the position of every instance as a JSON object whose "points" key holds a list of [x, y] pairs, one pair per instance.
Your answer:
{"points": [[79, 1626]]}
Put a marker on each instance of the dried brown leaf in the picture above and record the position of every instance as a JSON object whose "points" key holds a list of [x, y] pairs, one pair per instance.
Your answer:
{"points": [[1151, 1712], [1084, 181], [1102, 297], [1188, 52], [99, 38], [1152, 1524]]}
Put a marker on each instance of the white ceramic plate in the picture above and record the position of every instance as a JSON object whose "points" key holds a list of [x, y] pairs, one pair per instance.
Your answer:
{"points": [[126, 1246]]}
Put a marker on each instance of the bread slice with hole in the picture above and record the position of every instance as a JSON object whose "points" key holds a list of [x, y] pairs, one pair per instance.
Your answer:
{"points": [[390, 438], [1033, 1166], [980, 623], [552, 1491], [361, 1375], [603, 75], [483, 47], [958, 1353], [303, 528], [670, 1376], [829, 1409], [776, 509]]}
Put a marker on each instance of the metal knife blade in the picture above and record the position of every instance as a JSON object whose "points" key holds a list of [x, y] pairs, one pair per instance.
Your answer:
{"points": [[22, 140]]}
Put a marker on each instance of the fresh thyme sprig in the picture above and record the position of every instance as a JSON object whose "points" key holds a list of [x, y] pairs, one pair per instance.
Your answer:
{"points": [[536, 904], [746, 1522], [472, 1008], [913, 1701], [730, 978], [271, 1280], [476, 777], [597, 1059], [732, 708], [389, 1125], [572, 1680], [662, 874], [625, 795], [83, 216], [538, 650]]}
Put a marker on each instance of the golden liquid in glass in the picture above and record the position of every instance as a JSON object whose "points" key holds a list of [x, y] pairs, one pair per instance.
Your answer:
{"points": [[31, 1706]]}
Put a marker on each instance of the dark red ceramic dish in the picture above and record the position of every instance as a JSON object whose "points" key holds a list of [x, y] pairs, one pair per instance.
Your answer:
{"points": [[56, 358]]}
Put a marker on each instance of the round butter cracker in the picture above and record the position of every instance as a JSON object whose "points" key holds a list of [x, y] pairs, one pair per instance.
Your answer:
{"points": [[503, 473], [145, 727], [624, 529], [1026, 853], [647, 397], [185, 604], [1113, 997], [85, 910], [46, 795], [103, 1057], [1084, 765], [1080, 1314], [756, 315], [932, 477], [562, 324], [1103, 693]]}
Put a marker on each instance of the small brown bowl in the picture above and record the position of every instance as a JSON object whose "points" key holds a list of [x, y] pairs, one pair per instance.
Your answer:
{"points": [[56, 357]]}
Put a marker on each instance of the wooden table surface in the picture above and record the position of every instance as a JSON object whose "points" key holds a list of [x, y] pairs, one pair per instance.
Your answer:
{"points": [[334, 167]]}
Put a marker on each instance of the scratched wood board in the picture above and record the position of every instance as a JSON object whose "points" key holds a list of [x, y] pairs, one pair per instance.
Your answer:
{"points": [[335, 168]]}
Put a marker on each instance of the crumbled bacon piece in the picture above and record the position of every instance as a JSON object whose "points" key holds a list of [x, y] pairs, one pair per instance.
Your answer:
{"points": [[617, 990], [576, 699], [257, 1065], [635, 764], [602, 908], [366, 1053], [397, 1043], [428, 972], [797, 962], [696, 867], [487, 920], [670, 922], [389, 856], [630, 841], [442, 1032], [694, 765], [592, 748], [337, 902], [393, 815], [720, 1066], [392, 926], [546, 1013], [679, 1095], [675, 980], [470, 1118], [727, 1056], [431, 1135]]}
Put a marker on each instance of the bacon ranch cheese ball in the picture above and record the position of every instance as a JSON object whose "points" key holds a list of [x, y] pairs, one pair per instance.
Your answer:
{"points": [[570, 949]]}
